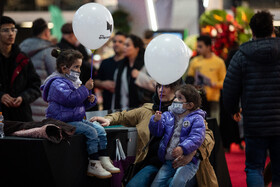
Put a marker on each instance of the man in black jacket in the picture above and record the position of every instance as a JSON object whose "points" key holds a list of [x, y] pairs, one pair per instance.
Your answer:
{"points": [[19, 83], [254, 76]]}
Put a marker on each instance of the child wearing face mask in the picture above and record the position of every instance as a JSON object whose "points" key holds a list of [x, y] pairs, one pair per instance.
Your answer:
{"points": [[68, 101], [183, 131]]}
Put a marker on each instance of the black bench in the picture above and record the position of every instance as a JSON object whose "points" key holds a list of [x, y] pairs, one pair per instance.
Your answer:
{"points": [[38, 162]]}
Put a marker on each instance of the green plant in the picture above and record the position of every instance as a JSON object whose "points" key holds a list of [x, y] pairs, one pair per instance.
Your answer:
{"points": [[121, 21]]}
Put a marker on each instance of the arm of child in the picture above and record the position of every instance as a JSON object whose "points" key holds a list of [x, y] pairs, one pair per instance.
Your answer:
{"points": [[177, 151], [90, 102], [156, 124], [195, 137], [62, 93], [157, 116]]}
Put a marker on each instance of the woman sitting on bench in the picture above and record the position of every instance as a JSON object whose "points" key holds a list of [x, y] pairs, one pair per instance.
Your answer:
{"points": [[146, 157]]}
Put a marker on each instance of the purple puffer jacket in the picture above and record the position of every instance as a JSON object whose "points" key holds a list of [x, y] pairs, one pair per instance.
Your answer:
{"points": [[192, 133], [66, 103]]}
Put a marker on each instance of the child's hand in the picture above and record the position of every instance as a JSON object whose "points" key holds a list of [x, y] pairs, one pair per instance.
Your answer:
{"points": [[157, 116], [89, 84], [91, 98], [177, 151]]}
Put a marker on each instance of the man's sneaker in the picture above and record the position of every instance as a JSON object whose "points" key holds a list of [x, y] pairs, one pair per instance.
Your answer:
{"points": [[95, 169], [107, 164]]}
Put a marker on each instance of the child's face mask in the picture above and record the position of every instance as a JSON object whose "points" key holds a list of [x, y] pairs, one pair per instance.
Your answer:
{"points": [[73, 75], [177, 107]]}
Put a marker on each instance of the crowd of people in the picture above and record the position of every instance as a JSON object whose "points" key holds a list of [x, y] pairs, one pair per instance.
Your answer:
{"points": [[41, 80]]}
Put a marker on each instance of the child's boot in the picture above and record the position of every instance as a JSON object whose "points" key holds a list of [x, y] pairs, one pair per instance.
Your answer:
{"points": [[95, 169], [107, 164]]}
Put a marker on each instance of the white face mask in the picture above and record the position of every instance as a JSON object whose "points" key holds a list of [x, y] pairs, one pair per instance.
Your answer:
{"points": [[177, 108], [74, 76]]}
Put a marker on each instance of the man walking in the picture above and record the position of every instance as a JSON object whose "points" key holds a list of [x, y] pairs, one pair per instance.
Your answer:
{"points": [[254, 76], [208, 70]]}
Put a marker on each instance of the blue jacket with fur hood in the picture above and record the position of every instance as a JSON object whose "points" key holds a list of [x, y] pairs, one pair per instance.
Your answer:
{"points": [[192, 133], [66, 103]]}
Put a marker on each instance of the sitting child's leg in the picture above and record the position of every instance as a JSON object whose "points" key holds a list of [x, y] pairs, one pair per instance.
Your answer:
{"points": [[102, 137], [94, 168], [164, 174], [102, 150], [184, 174]]}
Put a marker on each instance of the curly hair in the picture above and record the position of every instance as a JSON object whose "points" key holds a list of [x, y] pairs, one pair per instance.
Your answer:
{"points": [[191, 94], [65, 57], [262, 24]]}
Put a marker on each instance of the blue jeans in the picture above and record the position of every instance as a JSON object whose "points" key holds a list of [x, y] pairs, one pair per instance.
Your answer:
{"points": [[256, 152], [94, 132], [144, 177], [168, 176]]}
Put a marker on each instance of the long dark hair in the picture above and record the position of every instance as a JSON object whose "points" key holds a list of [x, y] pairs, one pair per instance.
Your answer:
{"points": [[138, 43]]}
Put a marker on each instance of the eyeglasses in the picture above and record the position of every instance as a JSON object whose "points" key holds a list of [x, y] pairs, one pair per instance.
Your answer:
{"points": [[7, 30]]}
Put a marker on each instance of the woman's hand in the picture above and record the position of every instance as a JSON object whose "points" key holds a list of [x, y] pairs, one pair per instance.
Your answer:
{"points": [[157, 116], [183, 160], [89, 84], [91, 98], [103, 121]]}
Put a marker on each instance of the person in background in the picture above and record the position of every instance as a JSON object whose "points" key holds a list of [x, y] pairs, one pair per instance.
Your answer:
{"points": [[148, 36], [19, 82], [105, 74], [208, 70], [267, 175], [182, 130], [38, 48], [229, 127], [253, 77], [127, 93], [68, 100]]}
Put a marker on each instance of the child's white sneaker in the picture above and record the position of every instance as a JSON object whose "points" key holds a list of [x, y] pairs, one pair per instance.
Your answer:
{"points": [[106, 162], [95, 169]]}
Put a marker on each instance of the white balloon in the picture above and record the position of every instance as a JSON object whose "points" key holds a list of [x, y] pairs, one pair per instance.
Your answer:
{"points": [[93, 25], [166, 58]]}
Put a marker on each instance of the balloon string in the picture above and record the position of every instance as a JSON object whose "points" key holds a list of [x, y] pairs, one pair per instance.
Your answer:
{"points": [[160, 98], [91, 67]]}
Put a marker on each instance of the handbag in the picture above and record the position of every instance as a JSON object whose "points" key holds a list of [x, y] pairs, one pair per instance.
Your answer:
{"points": [[116, 180]]}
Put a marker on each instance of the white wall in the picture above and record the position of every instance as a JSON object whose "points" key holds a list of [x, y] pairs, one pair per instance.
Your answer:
{"points": [[137, 11], [185, 15]]}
